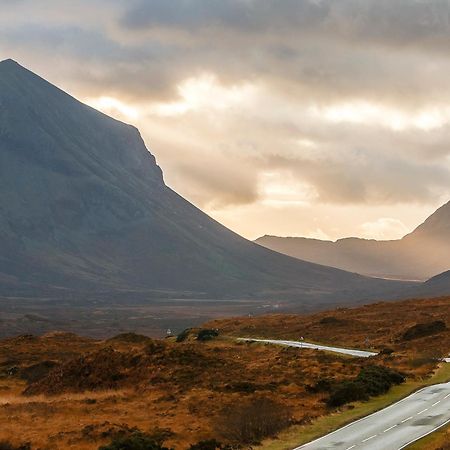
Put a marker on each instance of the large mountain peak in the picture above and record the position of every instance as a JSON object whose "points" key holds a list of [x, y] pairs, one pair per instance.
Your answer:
{"points": [[435, 227], [83, 206]]}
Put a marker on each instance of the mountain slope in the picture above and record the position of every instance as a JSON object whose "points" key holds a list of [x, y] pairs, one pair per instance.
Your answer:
{"points": [[418, 256], [436, 286], [84, 208]]}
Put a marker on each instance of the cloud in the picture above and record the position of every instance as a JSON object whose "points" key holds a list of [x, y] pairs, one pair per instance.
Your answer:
{"points": [[384, 228], [259, 103]]}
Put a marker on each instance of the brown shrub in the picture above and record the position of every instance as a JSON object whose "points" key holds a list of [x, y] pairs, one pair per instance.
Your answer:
{"points": [[424, 329], [250, 421]]}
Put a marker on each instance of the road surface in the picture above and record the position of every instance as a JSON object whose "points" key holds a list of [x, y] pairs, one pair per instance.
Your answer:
{"points": [[345, 351], [394, 427]]}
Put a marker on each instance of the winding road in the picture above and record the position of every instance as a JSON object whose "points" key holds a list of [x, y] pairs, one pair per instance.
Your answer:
{"points": [[392, 428], [298, 344]]}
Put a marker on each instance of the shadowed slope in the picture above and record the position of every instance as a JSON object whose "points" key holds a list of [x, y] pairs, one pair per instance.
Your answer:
{"points": [[84, 207]]}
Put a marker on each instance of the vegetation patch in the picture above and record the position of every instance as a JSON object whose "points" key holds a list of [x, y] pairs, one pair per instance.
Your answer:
{"points": [[424, 329], [251, 421], [37, 371], [130, 338], [5, 445], [135, 441], [207, 334], [370, 382]]}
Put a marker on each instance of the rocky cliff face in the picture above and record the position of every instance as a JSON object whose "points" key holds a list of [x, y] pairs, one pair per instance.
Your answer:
{"points": [[84, 209]]}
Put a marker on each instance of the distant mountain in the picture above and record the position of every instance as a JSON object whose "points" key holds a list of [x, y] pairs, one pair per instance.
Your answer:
{"points": [[437, 286], [84, 211], [418, 256]]}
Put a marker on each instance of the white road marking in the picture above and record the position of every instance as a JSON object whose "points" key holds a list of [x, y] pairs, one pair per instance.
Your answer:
{"points": [[423, 410], [350, 448], [447, 396], [389, 429], [406, 420], [434, 404], [369, 438]]}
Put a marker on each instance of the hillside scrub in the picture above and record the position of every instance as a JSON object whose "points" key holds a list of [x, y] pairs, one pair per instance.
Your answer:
{"points": [[424, 329], [370, 382], [5, 445], [207, 334], [251, 421], [136, 441], [104, 390]]}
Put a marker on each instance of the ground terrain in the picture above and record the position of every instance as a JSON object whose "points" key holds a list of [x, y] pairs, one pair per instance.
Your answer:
{"points": [[72, 392]]}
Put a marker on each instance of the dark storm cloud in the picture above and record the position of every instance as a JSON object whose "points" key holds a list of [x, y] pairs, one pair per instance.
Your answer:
{"points": [[388, 21]]}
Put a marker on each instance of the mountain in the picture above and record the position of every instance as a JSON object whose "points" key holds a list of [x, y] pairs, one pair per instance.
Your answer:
{"points": [[84, 210], [436, 286], [418, 256]]}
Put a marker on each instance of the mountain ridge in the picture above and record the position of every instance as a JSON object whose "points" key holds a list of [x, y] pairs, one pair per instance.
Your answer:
{"points": [[419, 255]]}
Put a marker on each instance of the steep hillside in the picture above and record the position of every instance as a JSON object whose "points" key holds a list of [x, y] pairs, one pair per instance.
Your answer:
{"points": [[418, 256], [84, 209]]}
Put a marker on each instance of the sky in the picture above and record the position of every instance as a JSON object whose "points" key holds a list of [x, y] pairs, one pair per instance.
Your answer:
{"points": [[316, 118]]}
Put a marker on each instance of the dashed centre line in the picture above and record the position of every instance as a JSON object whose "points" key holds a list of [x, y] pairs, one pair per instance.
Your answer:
{"points": [[369, 438], [350, 448], [389, 429], [421, 412], [406, 420], [434, 404]]}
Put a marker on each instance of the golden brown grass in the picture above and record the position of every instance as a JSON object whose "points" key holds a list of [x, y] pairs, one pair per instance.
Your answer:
{"points": [[184, 386]]}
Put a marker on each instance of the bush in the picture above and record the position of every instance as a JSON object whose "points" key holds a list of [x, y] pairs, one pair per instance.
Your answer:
{"points": [[130, 338], [183, 335], [5, 445], [322, 385], [34, 373], [424, 329], [331, 320], [371, 381], [251, 421], [347, 392], [378, 380], [210, 444], [135, 441], [386, 351], [207, 335]]}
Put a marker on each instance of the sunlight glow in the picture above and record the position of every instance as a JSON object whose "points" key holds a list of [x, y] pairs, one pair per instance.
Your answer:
{"points": [[114, 107], [279, 189], [205, 93], [362, 112]]}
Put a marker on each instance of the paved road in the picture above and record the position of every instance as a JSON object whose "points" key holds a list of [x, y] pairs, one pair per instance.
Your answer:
{"points": [[345, 351], [394, 427]]}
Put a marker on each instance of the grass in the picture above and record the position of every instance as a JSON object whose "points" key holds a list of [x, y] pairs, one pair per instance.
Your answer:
{"points": [[301, 434], [432, 441]]}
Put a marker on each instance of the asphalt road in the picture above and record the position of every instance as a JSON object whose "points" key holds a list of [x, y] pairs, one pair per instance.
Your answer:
{"points": [[345, 351], [394, 427]]}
